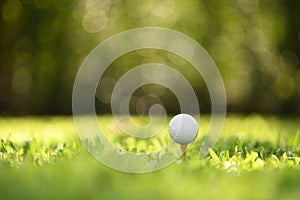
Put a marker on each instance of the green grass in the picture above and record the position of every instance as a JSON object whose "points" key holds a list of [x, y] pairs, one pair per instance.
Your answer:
{"points": [[257, 157]]}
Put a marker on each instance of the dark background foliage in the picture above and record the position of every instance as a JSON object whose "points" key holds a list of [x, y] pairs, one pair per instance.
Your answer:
{"points": [[255, 44]]}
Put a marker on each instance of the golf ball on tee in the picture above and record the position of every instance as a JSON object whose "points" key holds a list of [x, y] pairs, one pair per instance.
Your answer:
{"points": [[183, 129]]}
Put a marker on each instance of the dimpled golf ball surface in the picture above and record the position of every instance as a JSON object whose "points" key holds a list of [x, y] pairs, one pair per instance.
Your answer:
{"points": [[183, 129]]}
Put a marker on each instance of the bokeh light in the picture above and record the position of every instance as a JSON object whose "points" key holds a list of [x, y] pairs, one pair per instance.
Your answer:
{"points": [[21, 80], [11, 11], [94, 20]]}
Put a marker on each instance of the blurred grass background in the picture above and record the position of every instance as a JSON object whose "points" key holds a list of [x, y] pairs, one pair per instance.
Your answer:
{"points": [[255, 44]]}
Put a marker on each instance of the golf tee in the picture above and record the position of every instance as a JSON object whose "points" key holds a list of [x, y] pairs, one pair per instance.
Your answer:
{"points": [[183, 150]]}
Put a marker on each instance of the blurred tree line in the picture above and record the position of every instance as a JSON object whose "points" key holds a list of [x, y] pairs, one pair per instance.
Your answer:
{"points": [[255, 44]]}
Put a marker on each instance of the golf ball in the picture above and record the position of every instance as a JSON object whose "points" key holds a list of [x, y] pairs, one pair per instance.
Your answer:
{"points": [[183, 129]]}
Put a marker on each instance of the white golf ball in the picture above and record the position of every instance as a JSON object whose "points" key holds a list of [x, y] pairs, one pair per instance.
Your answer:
{"points": [[183, 129]]}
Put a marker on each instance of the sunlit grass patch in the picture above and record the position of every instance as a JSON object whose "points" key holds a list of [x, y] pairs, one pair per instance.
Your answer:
{"points": [[246, 143], [256, 157]]}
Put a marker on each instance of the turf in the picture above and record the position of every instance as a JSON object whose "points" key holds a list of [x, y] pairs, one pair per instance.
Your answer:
{"points": [[256, 157]]}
